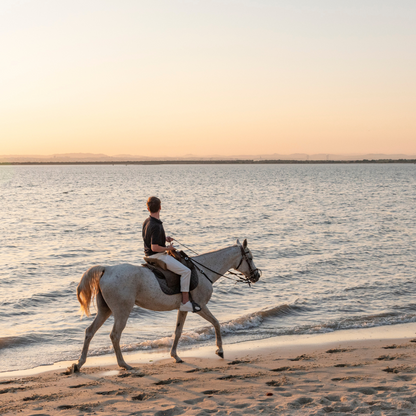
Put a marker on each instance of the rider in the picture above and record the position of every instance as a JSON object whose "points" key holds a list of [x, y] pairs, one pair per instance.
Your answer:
{"points": [[154, 246]]}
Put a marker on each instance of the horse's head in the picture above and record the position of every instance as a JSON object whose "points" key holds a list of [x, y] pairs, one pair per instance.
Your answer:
{"points": [[246, 264]]}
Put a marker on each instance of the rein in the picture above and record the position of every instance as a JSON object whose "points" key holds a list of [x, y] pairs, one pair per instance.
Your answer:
{"points": [[241, 277]]}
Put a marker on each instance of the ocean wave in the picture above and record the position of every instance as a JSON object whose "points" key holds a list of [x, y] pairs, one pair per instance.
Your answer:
{"points": [[358, 322], [11, 342], [241, 324], [37, 300]]}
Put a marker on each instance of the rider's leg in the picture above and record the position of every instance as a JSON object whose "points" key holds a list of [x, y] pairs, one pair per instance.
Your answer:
{"points": [[185, 273], [177, 267], [185, 296]]}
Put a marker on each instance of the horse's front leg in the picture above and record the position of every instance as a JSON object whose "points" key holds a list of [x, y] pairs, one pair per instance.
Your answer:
{"points": [[180, 321], [206, 314]]}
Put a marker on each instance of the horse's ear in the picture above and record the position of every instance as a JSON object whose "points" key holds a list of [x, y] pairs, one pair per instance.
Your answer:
{"points": [[238, 242], [245, 243]]}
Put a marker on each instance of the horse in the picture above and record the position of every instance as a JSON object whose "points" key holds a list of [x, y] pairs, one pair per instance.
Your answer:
{"points": [[118, 288]]}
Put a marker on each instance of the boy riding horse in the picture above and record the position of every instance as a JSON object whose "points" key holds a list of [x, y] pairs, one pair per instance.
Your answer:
{"points": [[155, 239]]}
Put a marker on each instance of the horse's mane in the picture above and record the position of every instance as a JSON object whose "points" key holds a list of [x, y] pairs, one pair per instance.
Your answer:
{"points": [[214, 252]]}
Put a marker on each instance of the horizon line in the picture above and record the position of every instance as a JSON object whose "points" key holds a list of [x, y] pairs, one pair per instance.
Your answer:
{"points": [[195, 156]]}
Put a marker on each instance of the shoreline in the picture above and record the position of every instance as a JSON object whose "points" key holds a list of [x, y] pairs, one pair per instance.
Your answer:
{"points": [[210, 162], [397, 332], [359, 371]]}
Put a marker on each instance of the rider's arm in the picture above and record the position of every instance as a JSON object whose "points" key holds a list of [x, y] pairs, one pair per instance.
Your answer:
{"points": [[159, 249]]}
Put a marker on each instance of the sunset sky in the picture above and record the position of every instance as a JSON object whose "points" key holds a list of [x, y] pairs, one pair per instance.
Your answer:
{"points": [[176, 77]]}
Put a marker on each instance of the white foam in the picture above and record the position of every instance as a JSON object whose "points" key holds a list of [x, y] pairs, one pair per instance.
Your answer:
{"points": [[249, 321]]}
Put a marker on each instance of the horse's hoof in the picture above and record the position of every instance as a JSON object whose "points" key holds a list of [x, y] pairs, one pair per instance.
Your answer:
{"points": [[73, 369], [220, 353]]}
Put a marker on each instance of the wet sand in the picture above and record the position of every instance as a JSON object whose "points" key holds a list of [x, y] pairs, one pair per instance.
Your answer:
{"points": [[370, 371]]}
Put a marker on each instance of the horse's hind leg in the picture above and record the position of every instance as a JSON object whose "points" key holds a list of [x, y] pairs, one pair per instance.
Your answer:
{"points": [[120, 320], [102, 315], [180, 321], [206, 314]]}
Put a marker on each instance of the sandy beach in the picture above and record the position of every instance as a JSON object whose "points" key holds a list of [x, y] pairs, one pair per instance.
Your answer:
{"points": [[365, 371]]}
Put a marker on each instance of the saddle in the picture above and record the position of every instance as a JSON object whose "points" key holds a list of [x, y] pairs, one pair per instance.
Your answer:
{"points": [[170, 282]]}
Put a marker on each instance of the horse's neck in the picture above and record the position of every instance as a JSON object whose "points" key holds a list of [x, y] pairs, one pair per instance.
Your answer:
{"points": [[220, 261]]}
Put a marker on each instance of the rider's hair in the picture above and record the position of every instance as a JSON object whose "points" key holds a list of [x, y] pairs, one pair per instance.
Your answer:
{"points": [[153, 204]]}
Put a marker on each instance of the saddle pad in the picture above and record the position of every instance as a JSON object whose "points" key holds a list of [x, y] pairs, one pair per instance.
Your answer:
{"points": [[170, 282], [155, 262]]}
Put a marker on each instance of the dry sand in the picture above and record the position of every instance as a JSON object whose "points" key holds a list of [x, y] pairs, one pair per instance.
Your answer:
{"points": [[348, 372]]}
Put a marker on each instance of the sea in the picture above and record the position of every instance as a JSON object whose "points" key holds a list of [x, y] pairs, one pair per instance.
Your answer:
{"points": [[336, 244]]}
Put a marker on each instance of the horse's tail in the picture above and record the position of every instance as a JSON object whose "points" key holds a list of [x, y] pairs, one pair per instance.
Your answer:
{"points": [[88, 287]]}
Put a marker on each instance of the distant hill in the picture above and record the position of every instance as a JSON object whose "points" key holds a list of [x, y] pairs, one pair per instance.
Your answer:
{"points": [[100, 157]]}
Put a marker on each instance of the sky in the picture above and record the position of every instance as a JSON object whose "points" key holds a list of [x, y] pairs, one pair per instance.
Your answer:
{"points": [[207, 77]]}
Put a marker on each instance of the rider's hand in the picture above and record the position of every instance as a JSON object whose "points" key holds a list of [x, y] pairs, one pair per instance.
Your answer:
{"points": [[169, 239], [170, 247]]}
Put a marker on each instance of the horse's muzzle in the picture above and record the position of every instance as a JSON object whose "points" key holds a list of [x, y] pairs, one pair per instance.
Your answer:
{"points": [[255, 276]]}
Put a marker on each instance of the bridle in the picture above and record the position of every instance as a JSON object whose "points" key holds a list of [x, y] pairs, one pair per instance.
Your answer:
{"points": [[241, 277], [244, 256]]}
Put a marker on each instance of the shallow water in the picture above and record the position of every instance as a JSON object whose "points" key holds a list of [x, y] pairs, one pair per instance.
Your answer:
{"points": [[336, 244]]}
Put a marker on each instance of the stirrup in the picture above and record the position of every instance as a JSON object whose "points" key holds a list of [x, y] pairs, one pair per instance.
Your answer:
{"points": [[195, 307], [186, 307]]}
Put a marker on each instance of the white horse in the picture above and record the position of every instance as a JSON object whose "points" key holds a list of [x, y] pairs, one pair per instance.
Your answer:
{"points": [[119, 288]]}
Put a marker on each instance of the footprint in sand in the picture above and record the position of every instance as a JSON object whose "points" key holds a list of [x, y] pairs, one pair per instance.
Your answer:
{"points": [[281, 369], [12, 390], [337, 350], [194, 370], [301, 358], [283, 381], [124, 375], [382, 388], [40, 414], [140, 397], [194, 401], [170, 412], [207, 412], [348, 378], [333, 398], [235, 362], [202, 370], [8, 382], [274, 383], [168, 381], [244, 405], [229, 377], [394, 370], [364, 390], [385, 358], [34, 397], [301, 401], [78, 386], [106, 393], [338, 409], [211, 392], [405, 378]]}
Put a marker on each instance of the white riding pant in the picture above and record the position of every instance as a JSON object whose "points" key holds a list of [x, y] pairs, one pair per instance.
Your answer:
{"points": [[177, 267]]}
